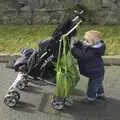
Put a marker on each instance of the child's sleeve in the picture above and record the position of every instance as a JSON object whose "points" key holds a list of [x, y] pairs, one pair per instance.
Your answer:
{"points": [[76, 49], [82, 54], [76, 52], [100, 51]]}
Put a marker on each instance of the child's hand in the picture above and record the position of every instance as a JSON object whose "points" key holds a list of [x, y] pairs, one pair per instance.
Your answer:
{"points": [[85, 43], [78, 44]]}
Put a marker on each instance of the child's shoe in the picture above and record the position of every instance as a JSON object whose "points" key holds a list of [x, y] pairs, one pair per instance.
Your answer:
{"points": [[100, 96], [88, 100]]}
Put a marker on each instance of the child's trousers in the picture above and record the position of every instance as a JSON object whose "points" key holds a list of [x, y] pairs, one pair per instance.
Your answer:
{"points": [[95, 87]]}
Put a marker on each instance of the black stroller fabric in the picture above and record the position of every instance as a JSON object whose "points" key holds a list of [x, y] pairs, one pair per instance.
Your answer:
{"points": [[39, 62]]}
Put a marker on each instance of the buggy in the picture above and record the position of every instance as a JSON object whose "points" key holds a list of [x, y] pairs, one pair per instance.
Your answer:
{"points": [[33, 64]]}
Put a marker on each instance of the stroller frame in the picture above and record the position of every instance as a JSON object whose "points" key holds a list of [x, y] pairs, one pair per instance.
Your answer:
{"points": [[22, 81]]}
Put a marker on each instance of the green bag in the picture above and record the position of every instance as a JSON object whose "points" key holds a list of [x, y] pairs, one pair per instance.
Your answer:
{"points": [[67, 73]]}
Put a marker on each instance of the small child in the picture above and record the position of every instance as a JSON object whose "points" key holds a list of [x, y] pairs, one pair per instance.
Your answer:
{"points": [[88, 54]]}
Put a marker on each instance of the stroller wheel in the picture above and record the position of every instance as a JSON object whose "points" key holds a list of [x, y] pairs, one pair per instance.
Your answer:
{"points": [[10, 100], [15, 94], [21, 85], [58, 105]]}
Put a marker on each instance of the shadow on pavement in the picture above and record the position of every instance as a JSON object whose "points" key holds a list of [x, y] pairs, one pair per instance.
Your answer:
{"points": [[33, 89], [25, 107], [108, 109]]}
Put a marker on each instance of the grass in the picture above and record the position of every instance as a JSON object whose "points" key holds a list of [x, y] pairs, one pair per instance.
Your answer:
{"points": [[15, 37]]}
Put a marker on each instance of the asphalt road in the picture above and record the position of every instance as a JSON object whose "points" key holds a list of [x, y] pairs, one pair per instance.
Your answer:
{"points": [[35, 102]]}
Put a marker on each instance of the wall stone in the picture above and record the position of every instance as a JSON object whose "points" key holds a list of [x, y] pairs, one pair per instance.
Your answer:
{"points": [[51, 11]]}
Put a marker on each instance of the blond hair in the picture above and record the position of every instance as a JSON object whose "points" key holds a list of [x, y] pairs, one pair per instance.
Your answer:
{"points": [[92, 36]]}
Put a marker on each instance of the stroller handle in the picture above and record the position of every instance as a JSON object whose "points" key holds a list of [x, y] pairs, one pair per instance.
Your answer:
{"points": [[78, 15], [65, 35]]}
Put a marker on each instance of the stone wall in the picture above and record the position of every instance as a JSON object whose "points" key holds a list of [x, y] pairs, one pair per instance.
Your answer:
{"points": [[52, 11], [103, 11]]}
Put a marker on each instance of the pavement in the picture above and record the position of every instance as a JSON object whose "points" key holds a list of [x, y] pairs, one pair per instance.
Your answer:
{"points": [[35, 101]]}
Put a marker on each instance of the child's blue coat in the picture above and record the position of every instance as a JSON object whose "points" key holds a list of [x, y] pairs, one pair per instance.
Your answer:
{"points": [[89, 59]]}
